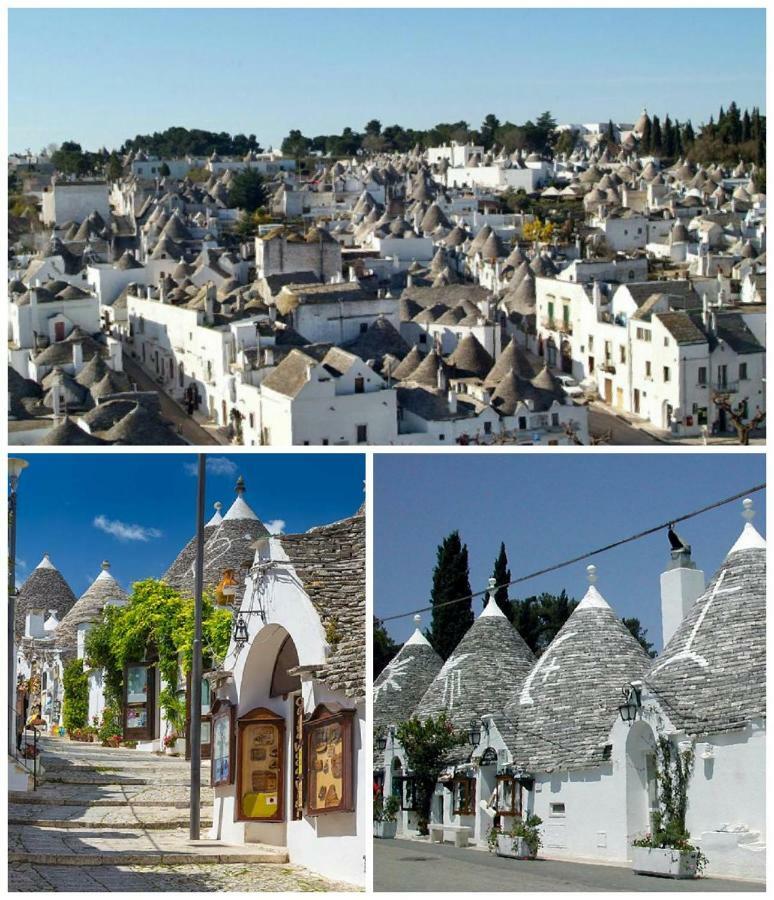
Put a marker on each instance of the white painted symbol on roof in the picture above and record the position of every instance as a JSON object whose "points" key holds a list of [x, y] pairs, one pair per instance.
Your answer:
{"points": [[525, 698], [687, 652], [394, 670]]}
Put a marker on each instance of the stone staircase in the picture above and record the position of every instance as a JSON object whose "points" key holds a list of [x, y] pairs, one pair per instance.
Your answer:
{"points": [[102, 806]]}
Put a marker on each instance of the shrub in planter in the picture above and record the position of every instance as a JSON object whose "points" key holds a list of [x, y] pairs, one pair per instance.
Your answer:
{"points": [[386, 816], [667, 850], [521, 841]]}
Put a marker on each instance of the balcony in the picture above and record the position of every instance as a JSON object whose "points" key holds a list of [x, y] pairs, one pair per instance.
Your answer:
{"points": [[726, 387], [608, 367], [558, 325]]}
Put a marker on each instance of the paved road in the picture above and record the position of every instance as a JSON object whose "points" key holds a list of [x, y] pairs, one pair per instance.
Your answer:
{"points": [[116, 820], [170, 409], [419, 866], [602, 421]]}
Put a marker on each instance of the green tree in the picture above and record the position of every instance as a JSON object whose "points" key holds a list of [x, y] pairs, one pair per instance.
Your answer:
{"points": [[646, 139], [657, 138], [164, 170], [296, 145], [450, 582], [669, 138], [385, 648], [502, 576], [75, 708], [488, 130], [374, 127], [114, 168], [641, 635], [538, 619], [427, 746], [248, 191]]}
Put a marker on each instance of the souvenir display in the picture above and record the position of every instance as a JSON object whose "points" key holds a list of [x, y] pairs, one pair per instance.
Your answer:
{"points": [[329, 757], [261, 739]]}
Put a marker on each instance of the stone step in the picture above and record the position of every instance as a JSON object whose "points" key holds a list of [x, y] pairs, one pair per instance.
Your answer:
{"points": [[130, 847], [117, 798], [106, 817]]}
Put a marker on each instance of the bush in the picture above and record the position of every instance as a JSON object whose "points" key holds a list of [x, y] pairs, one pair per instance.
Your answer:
{"points": [[111, 724], [75, 710], [386, 810]]}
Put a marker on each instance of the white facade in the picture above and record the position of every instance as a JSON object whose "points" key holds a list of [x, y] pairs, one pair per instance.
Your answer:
{"points": [[74, 201]]}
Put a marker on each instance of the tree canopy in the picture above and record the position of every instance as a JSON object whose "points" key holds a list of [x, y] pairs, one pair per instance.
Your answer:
{"points": [[385, 648], [248, 191], [450, 582], [177, 142]]}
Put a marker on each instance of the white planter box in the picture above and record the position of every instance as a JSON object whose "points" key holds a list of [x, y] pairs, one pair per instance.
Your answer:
{"points": [[385, 829], [665, 862], [515, 848]]}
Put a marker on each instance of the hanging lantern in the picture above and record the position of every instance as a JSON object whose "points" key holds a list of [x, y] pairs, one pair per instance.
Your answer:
{"points": [[381, 743], [632, 703], [240, 632], [226, 589], [474, 732]]}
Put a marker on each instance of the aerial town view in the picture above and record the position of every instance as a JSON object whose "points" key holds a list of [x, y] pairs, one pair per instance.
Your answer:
{"points": [[510, 279]]}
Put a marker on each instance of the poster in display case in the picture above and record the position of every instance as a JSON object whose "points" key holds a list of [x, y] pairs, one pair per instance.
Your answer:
{"points": [[260, 766], [223, 743], [328, 756]]}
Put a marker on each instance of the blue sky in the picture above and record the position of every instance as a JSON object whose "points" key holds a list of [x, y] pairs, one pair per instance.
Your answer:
{"points": [[548, 508], [138, 510], [99, 76]]}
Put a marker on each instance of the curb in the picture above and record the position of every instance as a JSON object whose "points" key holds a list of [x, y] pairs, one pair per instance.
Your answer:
{"points": [[118, 858]]}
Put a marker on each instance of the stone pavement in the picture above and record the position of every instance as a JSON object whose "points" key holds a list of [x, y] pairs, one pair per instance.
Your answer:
{"points": [[106, 819], [417, 865]]}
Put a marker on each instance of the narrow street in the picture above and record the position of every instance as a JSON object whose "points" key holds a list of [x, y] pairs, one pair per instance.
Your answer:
{"points": [[117, 820], [170, 409], [401, 865]]}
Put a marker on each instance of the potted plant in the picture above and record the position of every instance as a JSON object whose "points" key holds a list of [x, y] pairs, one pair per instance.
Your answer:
{"points": [[522, 841], [170, 744], [667, 850], [386, 816]]}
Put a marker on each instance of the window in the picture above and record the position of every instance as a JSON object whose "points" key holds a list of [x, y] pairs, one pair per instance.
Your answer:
{"points": [[648, 372], [702, 378], [508, 795], [423, 338], [622, 354], [325, 442], [359, 385], [591, 343], [487, 427], [666, 374], [555, 419], [363, 327], [666, 341], [522, 423], [643, 334], [722, 376], [743, 371], [464, 796], [557, 810], [362, 434], [441, 437]]}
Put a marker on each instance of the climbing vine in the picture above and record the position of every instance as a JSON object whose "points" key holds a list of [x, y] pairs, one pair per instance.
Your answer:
{"points": [[156, 623], [75, 708]]}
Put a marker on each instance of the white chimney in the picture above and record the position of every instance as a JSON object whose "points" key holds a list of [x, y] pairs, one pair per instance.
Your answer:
{"points": [[452, 398], [77, 357], [681, 586], [209, 303], [705, 311], [596, 297], [33, 623]]}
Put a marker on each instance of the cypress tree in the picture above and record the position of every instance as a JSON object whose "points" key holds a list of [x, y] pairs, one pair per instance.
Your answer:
{"points": [[669, 137], [646, 141], [450, 582], [678, 139], [688, 135], [502, 575], [657, 139], [746, 127]]}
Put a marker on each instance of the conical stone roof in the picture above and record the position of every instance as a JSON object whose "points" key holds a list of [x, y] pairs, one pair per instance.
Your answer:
{"points": [[563, 712], [45, 589], [401, 684], [712, 674], [88, 608], [226, 546], [478, 678], [470, 359], [513, 357]]}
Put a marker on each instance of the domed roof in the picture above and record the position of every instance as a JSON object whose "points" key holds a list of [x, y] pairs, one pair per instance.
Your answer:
{"points": [[407, 366], [479, 676], [404, 680], [513, 357], [711, 675], [567, 704], [470, 359], [227, 545], [88, 608], [511, 390], [426, 373], [44, 589]]}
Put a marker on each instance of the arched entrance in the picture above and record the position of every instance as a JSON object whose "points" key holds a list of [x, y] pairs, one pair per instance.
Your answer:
{"points": [[487, 797], [641, 792], [566, 358]]}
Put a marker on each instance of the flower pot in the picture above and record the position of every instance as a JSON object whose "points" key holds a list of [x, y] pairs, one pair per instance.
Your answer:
{"points": [[385, 829], [515, 848], [664, 861]]}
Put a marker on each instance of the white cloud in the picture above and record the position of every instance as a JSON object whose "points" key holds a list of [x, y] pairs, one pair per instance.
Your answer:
{"points": [[276, 526], [123, 531], [216, 465]]}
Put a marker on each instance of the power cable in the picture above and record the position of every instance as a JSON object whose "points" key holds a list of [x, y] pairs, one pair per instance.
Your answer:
{"points": [[569, 562]]}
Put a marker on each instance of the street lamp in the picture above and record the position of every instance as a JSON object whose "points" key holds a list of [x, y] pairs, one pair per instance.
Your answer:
{"points": [[474, 732], [240, 632], [15, 468], [196, 661], [381, 742], [632, 704]]}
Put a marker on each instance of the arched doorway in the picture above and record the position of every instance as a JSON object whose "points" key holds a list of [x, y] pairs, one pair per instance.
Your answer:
{"points": [[487, 797], [566, 358], [641, 791]]}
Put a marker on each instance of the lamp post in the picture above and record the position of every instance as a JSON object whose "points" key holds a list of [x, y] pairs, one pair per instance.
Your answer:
{"points": [[196, 661], [15, 468]]}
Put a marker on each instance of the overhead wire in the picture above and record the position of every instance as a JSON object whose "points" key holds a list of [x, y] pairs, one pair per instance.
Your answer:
{"points": [[670, 523]]}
